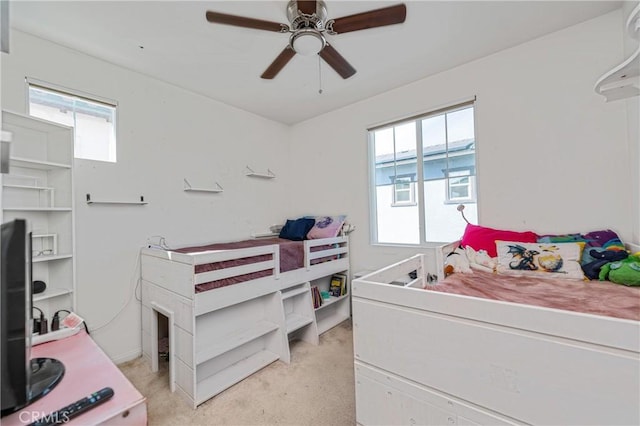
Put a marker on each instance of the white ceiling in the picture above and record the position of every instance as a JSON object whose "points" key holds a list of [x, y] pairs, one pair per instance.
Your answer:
{"points": [[225, 63]]}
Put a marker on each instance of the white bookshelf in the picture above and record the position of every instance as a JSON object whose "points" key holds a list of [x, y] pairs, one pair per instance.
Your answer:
{"points": [[39, 188]]}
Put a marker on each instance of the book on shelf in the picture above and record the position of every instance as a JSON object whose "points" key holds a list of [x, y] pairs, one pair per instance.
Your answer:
{"points": [[338, 285], [317, 298]]}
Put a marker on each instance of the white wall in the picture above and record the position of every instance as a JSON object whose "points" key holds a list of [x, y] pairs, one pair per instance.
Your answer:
{"points": [[165, 134], [633, 117], [551, 153]]}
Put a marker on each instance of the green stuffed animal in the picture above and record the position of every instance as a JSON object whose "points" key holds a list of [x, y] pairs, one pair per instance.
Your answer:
{"points": [[625, 271]]}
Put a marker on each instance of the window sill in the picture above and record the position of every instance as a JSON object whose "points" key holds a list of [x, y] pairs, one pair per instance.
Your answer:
{"points": [[465, 201], [427, 245], [404, 204]]}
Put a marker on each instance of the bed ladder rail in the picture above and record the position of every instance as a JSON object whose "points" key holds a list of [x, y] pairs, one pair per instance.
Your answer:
{"points": [[337, 247]]}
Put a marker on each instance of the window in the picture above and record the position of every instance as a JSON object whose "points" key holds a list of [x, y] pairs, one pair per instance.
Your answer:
{"points": [[94, 120], [403, 192], [459, 186], [415, 202]]}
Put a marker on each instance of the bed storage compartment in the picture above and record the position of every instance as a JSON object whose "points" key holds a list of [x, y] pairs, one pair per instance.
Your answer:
{"points": [[389, 399]]}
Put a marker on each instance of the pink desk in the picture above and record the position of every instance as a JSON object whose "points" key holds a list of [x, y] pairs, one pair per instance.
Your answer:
{"points": [[87, 370]]}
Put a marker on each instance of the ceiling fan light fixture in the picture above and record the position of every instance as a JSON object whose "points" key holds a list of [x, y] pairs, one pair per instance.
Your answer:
{"points": [[307, 42]]}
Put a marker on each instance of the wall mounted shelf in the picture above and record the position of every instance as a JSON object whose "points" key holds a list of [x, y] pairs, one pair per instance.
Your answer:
{"points": [[189, 188], [133, 203], [39, 209], [252, 173], [28, 163], [623, 81]]}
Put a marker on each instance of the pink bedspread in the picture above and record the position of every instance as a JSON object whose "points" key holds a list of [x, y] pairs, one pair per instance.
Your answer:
{"points": [[291, 257], [592, 297]]}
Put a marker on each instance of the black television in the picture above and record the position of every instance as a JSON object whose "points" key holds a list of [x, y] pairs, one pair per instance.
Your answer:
{"points": [[23, 380]]}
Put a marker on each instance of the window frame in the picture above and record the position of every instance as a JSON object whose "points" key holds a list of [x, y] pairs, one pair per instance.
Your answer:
{"points": [[419, 183], [85, 96]]}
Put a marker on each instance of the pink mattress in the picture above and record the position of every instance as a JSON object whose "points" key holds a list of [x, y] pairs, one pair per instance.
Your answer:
{"points": [[592, 297], [291, 257]]}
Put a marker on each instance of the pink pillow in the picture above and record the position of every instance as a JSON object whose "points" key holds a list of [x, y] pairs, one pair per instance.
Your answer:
{"points": [[483, 238], [326, 227]]}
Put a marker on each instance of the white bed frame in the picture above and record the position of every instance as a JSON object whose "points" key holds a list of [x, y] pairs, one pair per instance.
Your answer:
{"points": [[425, 357], [219, 337]]}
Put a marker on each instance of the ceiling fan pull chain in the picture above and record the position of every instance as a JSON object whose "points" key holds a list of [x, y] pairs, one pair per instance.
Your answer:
{"points": [[319, 76]]}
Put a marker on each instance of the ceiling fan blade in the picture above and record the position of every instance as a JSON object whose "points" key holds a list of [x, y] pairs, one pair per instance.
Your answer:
{"points": [[276, 66], [241, 21], [307, 7], [336, 61], [371, 19]]}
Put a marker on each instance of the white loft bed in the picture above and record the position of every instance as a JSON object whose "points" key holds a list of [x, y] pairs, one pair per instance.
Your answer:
{"points": [[428, 357], [220, 336]]}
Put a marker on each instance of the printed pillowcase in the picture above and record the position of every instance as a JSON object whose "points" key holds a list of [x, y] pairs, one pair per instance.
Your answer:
{"points": [[555, 260], [326, 227]]}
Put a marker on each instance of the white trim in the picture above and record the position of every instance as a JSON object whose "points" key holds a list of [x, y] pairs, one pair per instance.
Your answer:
{"points": [[129, 356], [68, 91], [435, 109]]}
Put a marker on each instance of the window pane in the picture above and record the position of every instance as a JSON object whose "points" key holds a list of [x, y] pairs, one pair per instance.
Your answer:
{"points": [[458, 192], [434, 147], [395, 162], [95, 138], [403, 196], [94, 122], [449, 161], [460, 124]]}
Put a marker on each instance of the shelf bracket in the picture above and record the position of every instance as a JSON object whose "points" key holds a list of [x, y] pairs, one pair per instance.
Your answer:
{"points": [[189, 188], [268, 175]]}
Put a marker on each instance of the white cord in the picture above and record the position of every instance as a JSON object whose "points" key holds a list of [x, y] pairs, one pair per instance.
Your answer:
{"points": [[133, 293], [161, 242]]}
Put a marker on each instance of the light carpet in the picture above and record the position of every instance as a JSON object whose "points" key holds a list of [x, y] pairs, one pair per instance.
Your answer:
{"points": [[317, 388]]}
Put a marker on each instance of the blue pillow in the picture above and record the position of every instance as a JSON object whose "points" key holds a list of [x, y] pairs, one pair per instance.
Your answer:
{"points": [[296, 230]]}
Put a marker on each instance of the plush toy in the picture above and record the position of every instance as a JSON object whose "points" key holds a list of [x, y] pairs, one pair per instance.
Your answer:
{"points": [[600, 258], [625, 271], [457, 261], [480, 260]]}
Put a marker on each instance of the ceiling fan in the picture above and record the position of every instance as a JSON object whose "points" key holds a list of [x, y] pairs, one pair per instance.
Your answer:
{"points": [[308, 25]]}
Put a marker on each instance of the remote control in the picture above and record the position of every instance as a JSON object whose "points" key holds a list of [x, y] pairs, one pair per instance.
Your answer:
{"points": [[65, 414]]}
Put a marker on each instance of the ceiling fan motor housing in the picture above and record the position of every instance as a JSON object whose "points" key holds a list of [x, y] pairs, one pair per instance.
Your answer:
{"points": [[301, 20]]}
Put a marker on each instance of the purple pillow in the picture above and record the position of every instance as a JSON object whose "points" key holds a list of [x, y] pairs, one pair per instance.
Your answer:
{"points": [[326, 227]]}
